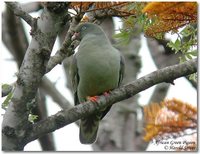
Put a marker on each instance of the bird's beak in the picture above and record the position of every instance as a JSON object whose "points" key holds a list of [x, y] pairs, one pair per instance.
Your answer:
{"points": [[75, 36]]}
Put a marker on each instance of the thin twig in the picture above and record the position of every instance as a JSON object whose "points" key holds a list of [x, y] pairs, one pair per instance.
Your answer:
{"points": [[106, 7], [19, 12], [67, 48]]}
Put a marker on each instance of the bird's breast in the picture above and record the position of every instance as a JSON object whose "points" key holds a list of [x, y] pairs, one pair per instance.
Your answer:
{"points": [[98, 73]]}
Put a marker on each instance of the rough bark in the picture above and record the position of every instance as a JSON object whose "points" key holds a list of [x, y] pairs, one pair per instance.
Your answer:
{"points": [[30, 74], [15, 39]]}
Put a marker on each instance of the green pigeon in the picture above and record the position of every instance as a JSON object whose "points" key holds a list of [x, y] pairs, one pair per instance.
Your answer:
{"points": [[97, 67]]}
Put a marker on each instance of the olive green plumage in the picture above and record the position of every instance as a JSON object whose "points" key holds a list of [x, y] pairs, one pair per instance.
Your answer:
{"points": [[97, 67]]}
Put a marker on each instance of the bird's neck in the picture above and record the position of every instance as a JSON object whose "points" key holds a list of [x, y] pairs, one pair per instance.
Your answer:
{"points": [[96, 38]]}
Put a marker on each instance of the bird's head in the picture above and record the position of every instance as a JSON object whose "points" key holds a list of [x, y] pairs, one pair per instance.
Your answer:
{"points": [[84, 29]]}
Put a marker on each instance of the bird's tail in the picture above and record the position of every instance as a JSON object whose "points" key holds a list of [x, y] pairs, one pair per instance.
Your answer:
{"points": [[88, 129]]}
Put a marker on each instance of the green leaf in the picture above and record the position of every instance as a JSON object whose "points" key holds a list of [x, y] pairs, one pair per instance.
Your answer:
{"points": [[159, 36], [182, 59], [177, 44], [6, 86], [193, 77], [187, 31], [188, 56], [6, 89], [123, 37], [118, 35], [174, 46], [122, 34], [32, 118], [193, 53], [7, 101]]}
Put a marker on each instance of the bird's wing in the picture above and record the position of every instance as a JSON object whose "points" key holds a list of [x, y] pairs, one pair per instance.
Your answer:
{"points": [[75, 79], [122, 69], [88, 126]]}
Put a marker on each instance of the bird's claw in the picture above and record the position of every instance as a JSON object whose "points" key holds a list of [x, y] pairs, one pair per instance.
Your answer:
{"points": [[93, 98]]}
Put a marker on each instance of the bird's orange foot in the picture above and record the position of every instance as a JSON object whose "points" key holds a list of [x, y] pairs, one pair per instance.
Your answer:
{"points": [[93, 98]]}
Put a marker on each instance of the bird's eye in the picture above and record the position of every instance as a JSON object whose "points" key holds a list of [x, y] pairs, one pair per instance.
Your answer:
{"points": [[83, 28]]}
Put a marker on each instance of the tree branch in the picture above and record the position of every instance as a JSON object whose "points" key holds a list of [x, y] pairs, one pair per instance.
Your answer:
{"points": [[19, 12], [67, 48], [17, 45], [33, 68], [66, 117], [166, 57], [162, 57], [14, 36], [31, 6]]}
